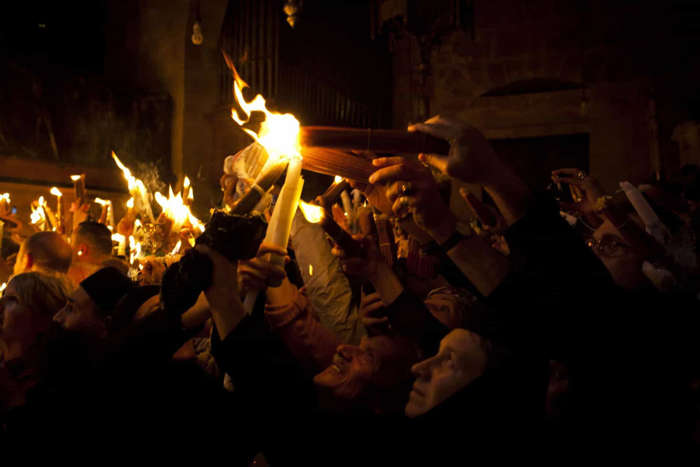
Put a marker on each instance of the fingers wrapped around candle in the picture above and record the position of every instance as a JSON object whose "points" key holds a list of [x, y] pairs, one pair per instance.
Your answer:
{"points": [[372, 315], [259, 273]]}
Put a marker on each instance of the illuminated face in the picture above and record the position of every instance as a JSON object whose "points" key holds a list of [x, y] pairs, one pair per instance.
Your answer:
{"points": [[623, 261], [80, 315], [378, 362], [460, 360]]}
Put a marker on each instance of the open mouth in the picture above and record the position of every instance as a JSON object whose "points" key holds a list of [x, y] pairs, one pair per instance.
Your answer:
{"points": [[333, 375]]}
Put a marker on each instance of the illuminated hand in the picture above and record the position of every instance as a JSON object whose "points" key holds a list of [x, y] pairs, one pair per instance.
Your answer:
{"points": [[471, 158], [371, 313], [80, 213], [258, 273], [411, 189], [590, 187], [152, 271]]}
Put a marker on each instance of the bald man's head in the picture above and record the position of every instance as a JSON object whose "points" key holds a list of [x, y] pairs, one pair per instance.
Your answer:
{"points": [[44, 251]]}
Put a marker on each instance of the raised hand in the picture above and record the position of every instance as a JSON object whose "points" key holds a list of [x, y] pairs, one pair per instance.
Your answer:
{"points": [[589, 186], [371, 306], [412, 190], [259, 273], [471, 158]]}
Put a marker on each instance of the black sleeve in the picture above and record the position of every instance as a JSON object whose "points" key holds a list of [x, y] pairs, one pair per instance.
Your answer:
{"points": [[260, 366]]}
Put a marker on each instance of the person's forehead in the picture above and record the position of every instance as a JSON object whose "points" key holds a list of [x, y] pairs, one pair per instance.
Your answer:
{"points": [[457, 340]]}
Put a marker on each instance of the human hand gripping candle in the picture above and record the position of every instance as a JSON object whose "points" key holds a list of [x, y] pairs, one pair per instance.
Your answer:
{"points": [[279, 135]]}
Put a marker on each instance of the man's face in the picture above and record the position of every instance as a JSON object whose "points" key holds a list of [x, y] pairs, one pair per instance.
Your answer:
{"points": [[623, 260], [80, 315], [460, 360], [378, 361]]}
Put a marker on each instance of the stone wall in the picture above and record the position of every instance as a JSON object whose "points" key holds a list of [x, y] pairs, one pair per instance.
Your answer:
{"points": [[600, 68]]}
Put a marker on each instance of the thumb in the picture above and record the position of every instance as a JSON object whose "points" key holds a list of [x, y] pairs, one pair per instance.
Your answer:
{"points": [[433, 160]]}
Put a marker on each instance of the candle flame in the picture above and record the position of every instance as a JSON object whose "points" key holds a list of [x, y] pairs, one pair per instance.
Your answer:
{"points": [[177, 248], [134, 249], [313, 213], [176, 210], [137, 225], [102, 202], [278, 134], [75, 178], [186, 182], [338, 179], [5, 197], [130, 203], [3, 286], [117, 237], [311, 269], [38, 215], [135, 185], [56, 192]]}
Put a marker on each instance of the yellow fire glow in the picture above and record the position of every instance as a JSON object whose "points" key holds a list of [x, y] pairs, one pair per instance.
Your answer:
{"points": [[134, 249], [135, 185], [3, 286], [56, 192], [176, 210], [177, 248], [312, 212], [311, 269], [278, 134], [338, 179], [186, 182], [75, 178], [130, 203], [5, 197], [137, 225], [38, 214], [117, 237]]}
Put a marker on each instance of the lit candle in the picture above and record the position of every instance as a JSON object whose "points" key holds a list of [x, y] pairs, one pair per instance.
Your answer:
{"points": [[281, 220], [104, 213], [187, 192], [79, 187], [59, 209], [121, 240]]}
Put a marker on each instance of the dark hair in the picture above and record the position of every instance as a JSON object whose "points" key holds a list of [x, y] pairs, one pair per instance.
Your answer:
{"points": [[97, 235]]}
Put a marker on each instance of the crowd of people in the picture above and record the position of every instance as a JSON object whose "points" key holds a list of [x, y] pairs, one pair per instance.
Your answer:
{"points": [[561, 317]]}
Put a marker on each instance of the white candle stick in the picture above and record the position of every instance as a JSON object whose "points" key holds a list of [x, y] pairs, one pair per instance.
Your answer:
{"points": [[653, 224], [281, 220]]}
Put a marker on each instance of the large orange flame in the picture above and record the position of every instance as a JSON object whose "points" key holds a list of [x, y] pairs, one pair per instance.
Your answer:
{"points": [[176, 210], [278, 134]]}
